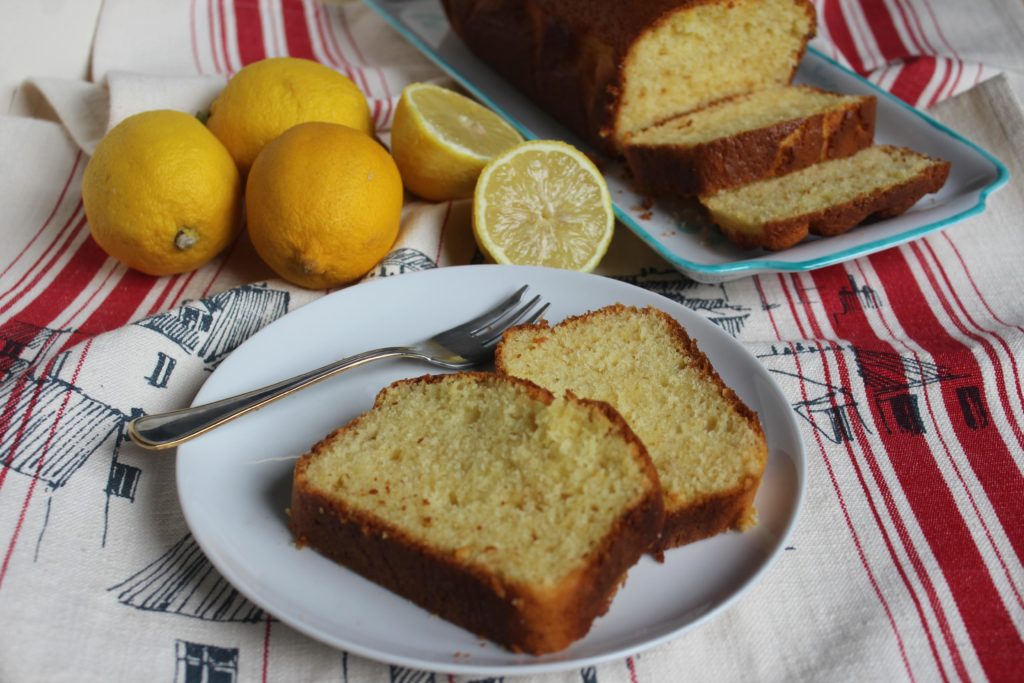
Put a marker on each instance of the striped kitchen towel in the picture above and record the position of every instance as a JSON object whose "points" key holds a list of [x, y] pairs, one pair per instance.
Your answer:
{"points": [[903, 370]]}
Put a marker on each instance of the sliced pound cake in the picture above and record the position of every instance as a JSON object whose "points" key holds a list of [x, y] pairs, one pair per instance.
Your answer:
{"points": [[826, 199], [708, 447], [605, 68], [761, 134], [485, 500]]}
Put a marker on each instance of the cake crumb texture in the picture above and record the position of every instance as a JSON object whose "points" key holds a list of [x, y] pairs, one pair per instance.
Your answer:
{"points": [[607, 68], [826, 199], [486, 500], [761, 134], [707, 445]]}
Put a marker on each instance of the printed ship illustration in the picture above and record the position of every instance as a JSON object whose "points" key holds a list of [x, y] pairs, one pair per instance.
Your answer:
{"points": [[61, 430]]}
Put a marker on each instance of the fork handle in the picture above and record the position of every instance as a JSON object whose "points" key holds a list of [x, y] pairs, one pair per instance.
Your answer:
{"points": [[164, 430]]}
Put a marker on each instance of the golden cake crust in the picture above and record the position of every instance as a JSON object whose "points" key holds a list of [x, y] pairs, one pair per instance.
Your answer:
{"points": [[708, 515], [774, 150], [568, 56], [520, 616], [885, 202]]}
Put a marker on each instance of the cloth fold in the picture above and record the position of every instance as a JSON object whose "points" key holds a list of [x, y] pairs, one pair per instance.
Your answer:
{"points": [[903, 369]]}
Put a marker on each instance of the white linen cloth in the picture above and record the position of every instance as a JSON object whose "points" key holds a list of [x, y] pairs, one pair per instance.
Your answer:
{"points": [[906, 562]]}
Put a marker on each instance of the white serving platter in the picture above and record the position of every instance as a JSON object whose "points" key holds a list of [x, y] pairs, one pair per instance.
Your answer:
{"points": [[677, 233]]}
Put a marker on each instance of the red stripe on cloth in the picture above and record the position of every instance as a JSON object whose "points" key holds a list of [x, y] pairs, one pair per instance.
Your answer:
{"points": [[911, 459], [925, 49], [9, 410], [13, 400], [832, 16], [883, 26], [868, 450], [53, 212], [212, 34], [194, 38], [972, 588], [168, 285], [39, 465], [913, 79], [330, 47], [631, 665], [955, 464], [965, 313], [54, 242], [55, 251], [118, 308], [222, 18], [296, 30], [68, 284], [985, 448], [185, 280], [351, 42], [224, 258], [958, 62], [7, 418], [835, 484], [67, 317], [912, 25], [249, 30], [974, 284]]}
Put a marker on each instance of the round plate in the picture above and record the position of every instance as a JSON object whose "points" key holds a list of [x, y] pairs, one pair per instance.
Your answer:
{"points": [[234, 482]]}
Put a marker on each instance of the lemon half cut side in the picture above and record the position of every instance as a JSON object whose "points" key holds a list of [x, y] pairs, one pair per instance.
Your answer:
{"points": [[543, 203], [441, 140]]}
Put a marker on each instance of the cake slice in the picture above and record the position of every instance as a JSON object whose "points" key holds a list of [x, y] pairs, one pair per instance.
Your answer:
{"points": [[708, 447], [826, 199], [605, 68], [485, 500], [758, 135]]}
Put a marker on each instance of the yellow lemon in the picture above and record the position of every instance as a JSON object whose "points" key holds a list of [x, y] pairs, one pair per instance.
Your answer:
{"points": [[441, 141], [268, 97], [543, 203], [161, 193], [323, 204]]}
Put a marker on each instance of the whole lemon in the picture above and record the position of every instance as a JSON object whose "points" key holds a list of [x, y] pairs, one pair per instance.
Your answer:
{"points": [[323, 204], [161, 193], [268, 97]]}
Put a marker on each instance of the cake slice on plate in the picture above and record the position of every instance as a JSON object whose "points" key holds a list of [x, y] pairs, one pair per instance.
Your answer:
{"points": [[485, 500], [707, 445]]}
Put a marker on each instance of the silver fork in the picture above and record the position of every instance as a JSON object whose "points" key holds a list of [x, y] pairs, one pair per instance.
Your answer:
{"points": [[458, 348]]}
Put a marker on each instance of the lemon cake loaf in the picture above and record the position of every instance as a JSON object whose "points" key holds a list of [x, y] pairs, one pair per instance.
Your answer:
{"points": [[827, 198], [707, 445], [485, 500], [761, 134], [606, 68]]}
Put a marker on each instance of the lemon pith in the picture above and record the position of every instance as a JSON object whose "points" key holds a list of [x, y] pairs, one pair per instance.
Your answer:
{"points": [[543, 203]]}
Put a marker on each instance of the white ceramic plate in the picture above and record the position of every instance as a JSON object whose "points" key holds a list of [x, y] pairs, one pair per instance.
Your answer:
{"points": [[677, 233], [234, 483]]}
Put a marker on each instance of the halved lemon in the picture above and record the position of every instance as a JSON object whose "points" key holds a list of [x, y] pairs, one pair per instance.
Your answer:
{"points": [[441, 140], [543, 203]]}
